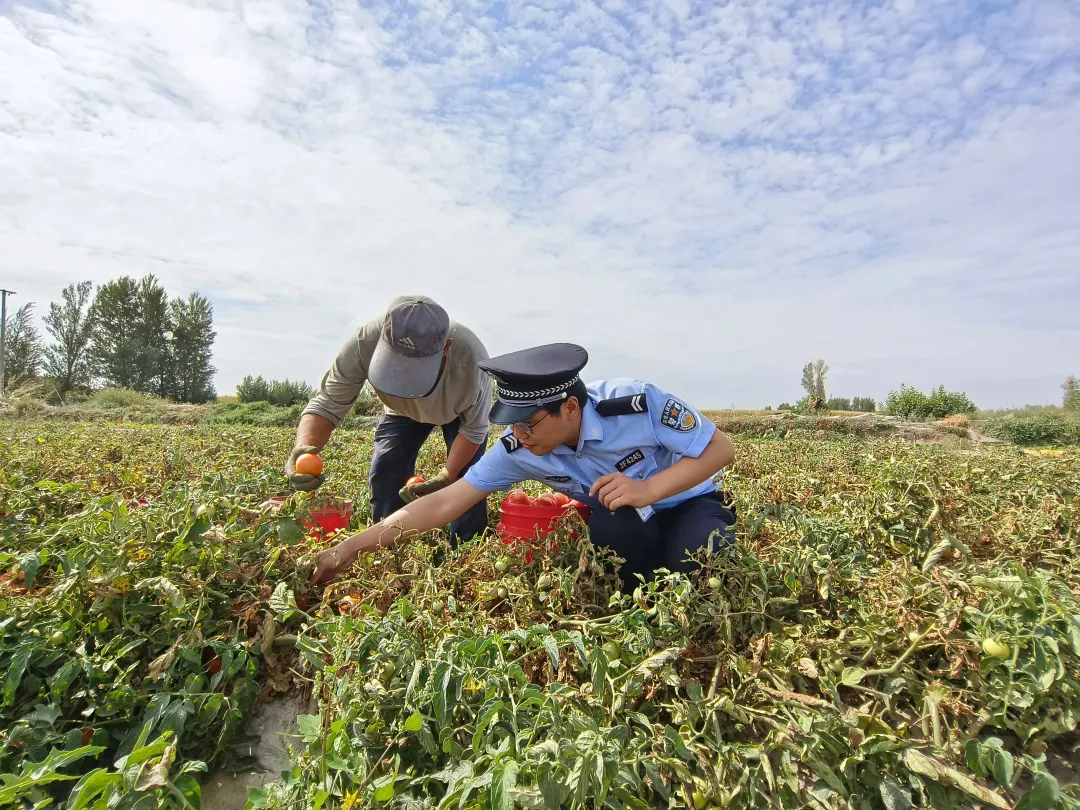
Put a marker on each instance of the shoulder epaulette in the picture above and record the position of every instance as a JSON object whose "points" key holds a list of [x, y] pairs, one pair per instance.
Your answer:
{"points": [[623, 406], [510, 443]]}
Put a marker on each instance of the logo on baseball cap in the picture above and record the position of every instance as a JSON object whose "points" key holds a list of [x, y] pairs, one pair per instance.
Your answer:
{"points": [[408, 356]]}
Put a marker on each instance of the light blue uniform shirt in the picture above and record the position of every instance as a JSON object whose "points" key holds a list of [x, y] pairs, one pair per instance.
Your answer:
{"points": [[637, 444]]}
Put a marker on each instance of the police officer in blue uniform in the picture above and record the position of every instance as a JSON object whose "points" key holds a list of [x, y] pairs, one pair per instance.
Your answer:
{"points": [[643, 460]]}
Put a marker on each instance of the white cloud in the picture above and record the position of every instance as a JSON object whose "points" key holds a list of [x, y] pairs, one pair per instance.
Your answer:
{"points": [[704, 195]]}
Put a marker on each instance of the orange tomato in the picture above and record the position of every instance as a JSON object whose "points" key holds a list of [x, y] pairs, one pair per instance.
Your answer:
{"points": [[545, 500], [561, 498], [308, 464], [416, 479], [518, 496]]}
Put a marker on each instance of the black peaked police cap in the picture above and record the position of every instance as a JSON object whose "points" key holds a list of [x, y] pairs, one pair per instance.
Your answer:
{"points": [[531, 378]]}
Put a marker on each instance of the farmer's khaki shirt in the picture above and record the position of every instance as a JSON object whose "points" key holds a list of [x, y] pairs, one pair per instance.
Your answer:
{"points": [[462, 391]]}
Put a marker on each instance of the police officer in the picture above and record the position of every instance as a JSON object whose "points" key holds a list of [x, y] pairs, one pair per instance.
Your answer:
{"points": [[643, 460], [424, 368]]}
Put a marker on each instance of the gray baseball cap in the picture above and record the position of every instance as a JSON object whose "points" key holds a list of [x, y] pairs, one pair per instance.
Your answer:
{"points": [[408, 356]]}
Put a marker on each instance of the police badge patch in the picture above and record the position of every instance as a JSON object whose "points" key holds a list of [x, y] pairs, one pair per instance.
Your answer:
{"points": [[678, 417]]}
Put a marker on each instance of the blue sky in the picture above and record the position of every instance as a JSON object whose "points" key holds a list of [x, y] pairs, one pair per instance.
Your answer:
{"points": [[704, 195]]}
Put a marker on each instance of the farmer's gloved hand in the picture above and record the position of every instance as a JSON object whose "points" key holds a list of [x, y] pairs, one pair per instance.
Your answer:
{"points": [[410, 494], [304, 483]]}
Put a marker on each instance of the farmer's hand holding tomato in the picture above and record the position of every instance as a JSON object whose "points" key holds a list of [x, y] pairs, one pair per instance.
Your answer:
{"points": [[417, 487], [615, 489], [304, 468]]}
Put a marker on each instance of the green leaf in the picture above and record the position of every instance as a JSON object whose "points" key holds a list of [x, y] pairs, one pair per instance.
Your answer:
{"points": [[15, 674], [1044, 793], [973, 757], [91, 786], [552, 648], [893, 795], [414, 722], [828, 775], [320, 798], [852, 676], [59, 682], [1003, 768], [189, 786], [503, 781], [29, 563], [310, 727], [289, 532], [282, 601], [386, 792], [257, 797]]}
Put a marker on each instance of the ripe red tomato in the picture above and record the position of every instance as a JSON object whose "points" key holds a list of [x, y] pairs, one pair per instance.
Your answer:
{"points": [[214, 667], [561, 498], [416, 479], [518, 496], [545, 500]]}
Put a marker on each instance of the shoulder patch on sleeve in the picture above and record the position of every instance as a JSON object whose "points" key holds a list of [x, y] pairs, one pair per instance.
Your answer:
{"points": [[678, 417], [623, 406], [510, 443]]}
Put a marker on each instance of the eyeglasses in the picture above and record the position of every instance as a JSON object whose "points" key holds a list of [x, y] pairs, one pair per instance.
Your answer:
{"points": [[526, 428]]}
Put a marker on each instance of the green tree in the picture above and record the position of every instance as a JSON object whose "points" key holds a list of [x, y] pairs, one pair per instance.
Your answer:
{"points": [[23, 355], [153, 328], [839, 404], [253, 389], [863, 404], [67, 358], [813, 379], [115, 350], [191, 345], [1071, 394]]}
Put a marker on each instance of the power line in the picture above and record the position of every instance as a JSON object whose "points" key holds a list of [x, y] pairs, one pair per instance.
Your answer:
{"points": [[3, 339]]}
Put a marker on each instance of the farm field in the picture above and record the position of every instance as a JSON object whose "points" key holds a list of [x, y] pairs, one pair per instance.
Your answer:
{"points": [[898, 626]]}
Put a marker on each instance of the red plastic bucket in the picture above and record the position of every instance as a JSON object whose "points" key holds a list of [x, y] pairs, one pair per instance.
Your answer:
{"points": [[329, 517], [520, 524]]}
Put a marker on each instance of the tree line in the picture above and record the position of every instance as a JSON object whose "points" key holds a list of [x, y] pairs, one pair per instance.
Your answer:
{"points": [[127, 334]]}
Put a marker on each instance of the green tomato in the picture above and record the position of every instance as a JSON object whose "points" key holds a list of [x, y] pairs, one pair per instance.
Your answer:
{"points": [[545, 582], [715, 583], [57, 638], [501, 564], [437, 606], [995, 648], [700, 800], [388, 670], [612, 651], [503, 593]]}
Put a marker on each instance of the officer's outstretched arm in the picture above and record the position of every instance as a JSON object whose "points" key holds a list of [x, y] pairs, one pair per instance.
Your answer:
{"points": [[423, 514]]}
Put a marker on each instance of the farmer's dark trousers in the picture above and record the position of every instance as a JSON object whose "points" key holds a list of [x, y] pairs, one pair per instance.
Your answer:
{"points": [[398, 440], [666, 538]]}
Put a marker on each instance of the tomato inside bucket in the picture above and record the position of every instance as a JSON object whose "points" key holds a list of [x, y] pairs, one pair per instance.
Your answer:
{"points": [[520, 524]]}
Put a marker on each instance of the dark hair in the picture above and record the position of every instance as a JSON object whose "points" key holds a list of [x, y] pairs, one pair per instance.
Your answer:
{"points": [[577, 391]]}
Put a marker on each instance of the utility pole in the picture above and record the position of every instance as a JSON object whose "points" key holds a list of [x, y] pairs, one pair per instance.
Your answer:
{"points": [[3, 339]]}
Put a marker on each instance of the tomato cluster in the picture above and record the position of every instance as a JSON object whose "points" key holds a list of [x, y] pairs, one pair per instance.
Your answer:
{"points": [[521, 497]]}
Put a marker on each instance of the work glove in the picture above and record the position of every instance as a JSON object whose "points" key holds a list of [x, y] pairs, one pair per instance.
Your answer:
{"points": [[304, 483], [410, 494]]}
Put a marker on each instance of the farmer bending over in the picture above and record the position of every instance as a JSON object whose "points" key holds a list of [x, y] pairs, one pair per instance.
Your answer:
{"points": [[642, 460], [423, 367]]}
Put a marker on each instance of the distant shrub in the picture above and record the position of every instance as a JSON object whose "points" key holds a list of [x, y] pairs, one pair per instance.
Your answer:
{"points": [[1036, 430], [911, 403], [284, 393], [785, 406], [258, 414], [113, 398]]}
